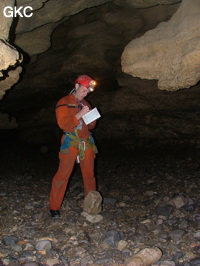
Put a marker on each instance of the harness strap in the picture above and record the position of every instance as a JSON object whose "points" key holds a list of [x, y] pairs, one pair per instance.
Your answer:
{"points": [[71, 139]]}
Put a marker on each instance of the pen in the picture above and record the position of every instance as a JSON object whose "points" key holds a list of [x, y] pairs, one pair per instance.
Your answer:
{"points": [[82, 104]]}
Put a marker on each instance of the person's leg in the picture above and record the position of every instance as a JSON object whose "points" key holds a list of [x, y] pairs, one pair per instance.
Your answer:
{"points": [[87, 169], [61, 178]]}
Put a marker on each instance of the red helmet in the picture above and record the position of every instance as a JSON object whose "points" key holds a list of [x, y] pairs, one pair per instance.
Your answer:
{"points": [[86, 81]]}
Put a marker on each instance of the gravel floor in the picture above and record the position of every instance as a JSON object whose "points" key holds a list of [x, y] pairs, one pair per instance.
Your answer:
{"points": [[150, 199]]}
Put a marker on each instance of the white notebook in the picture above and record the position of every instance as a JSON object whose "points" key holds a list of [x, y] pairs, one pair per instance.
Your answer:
{"points": [[91, 116]]}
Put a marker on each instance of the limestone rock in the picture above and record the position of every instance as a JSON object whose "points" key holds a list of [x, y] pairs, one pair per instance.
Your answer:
{"points": [[5, 22], [93, 203], [40, 39], [170, 52], [8, 55], [51, 12], [43, 245], [146, 256], [12, 78], [178, 202], [92, 218]]}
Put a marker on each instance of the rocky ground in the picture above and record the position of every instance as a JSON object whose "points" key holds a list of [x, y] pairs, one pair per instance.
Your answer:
{"points": [[151, 199]]}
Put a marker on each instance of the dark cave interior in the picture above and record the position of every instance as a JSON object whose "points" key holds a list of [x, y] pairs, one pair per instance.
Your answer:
{"points": [[136, 115]]}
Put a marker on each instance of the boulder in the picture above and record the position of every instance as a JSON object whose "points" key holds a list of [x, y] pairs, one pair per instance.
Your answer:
{"points": [[93, 203]]}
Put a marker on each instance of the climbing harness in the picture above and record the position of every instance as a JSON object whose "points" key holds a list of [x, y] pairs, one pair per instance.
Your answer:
{"points": [[72, 139]]}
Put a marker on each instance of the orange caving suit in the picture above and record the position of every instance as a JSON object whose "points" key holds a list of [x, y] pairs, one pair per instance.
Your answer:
{"points": [[66, 109]]}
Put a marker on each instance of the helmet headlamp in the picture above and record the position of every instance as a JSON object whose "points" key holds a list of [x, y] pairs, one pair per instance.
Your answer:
{"points": [[91, 85]]}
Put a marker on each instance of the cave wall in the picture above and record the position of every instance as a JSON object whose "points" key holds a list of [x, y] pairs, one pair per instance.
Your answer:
{"points": [[64, 40]]}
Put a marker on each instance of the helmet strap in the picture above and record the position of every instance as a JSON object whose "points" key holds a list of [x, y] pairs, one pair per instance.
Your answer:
{"points": [[72, 91]]}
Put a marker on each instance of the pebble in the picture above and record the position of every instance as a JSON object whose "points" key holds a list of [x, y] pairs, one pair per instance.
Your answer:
{"points": [[92, 218], [122, 244]]}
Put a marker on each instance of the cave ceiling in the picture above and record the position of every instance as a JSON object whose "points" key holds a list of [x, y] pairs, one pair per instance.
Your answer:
{"points": [[120, 43]]}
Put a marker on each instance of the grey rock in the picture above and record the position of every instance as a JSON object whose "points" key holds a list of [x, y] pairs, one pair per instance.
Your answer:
{"points": [[195, 262], [126, 253], [86, 260], [171, 222], [183, 224], [8, 240], [190, 208], [164, 210], [177, 235], [16, 248], [178, 256], [43, 245], [112, 238], [109, 201]]}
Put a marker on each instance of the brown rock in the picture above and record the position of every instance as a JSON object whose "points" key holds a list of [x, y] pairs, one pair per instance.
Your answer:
{"points": [[93, 203], [145, 257]]}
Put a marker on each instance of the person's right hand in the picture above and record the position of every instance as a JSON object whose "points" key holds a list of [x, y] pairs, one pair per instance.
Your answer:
{"points": [[83, 111]]}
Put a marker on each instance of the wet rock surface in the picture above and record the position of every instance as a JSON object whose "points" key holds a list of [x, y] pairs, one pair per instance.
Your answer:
{"points": [[150, 199]]}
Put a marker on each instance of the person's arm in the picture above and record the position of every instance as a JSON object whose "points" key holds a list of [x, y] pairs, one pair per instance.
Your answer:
{"points": [[66, 121], [83, 111]]}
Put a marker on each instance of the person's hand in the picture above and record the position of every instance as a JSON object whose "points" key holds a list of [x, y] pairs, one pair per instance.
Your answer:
{"points": [[83, 111]]}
